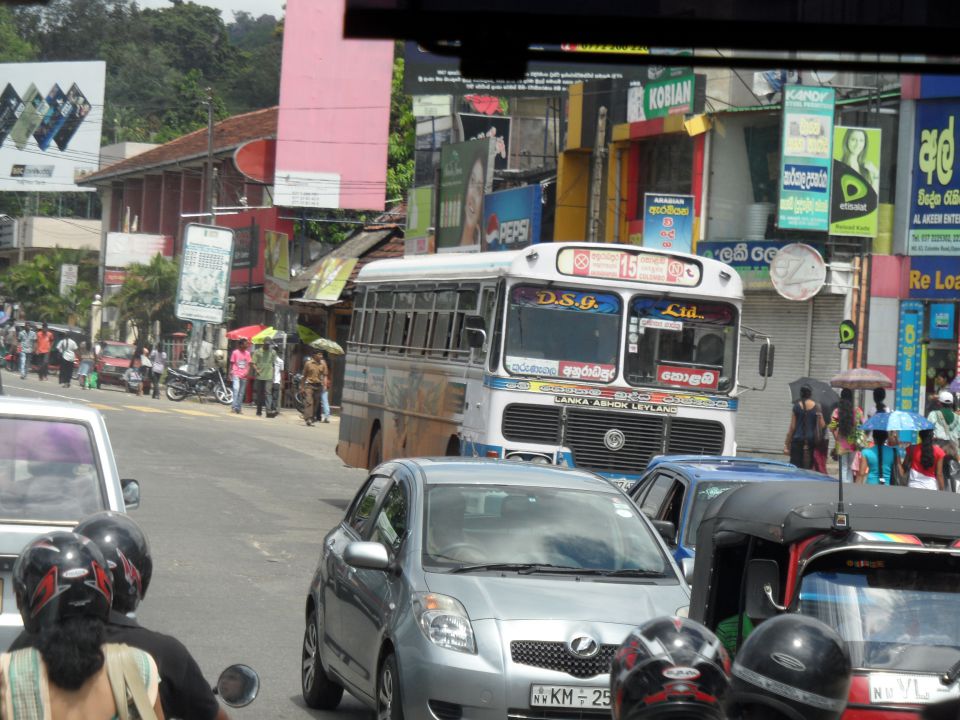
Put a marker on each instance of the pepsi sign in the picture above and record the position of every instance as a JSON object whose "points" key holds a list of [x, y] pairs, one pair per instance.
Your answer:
{"points": [[512, 218]]}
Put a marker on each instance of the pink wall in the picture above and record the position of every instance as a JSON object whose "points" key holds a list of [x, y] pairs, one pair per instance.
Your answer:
{"points": [[889, 275], [334, 112]]}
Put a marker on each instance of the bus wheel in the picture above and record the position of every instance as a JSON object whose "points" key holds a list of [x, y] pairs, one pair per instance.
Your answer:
{"points": [[375, 453], [453, 447]]}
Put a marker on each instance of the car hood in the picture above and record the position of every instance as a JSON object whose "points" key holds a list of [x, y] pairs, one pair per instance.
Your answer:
{"points": [[527, 597]]}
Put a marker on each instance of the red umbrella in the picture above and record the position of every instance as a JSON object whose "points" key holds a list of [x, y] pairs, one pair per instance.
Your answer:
{"points": [[245, 332]]}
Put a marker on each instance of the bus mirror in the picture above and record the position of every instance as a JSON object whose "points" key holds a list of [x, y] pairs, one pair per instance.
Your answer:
{"points": [[763, 589], [766, 359], [476, 330]]}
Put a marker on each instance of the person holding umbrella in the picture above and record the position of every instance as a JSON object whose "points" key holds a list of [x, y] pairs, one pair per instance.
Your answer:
{"points": [[848, 438], [923, 463]]}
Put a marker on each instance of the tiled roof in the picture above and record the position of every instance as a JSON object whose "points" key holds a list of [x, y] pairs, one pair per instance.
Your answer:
{"points": [[227, 135]]}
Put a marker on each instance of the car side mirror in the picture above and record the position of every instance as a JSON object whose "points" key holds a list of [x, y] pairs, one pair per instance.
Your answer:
{"points": [[687, 565], [131, 493], [367, 556], [763, 589], [766, 359], [476, 330], [667, 530]]}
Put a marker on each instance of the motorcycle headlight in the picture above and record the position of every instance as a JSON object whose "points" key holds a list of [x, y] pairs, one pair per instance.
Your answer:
{"points": [[444, 621]]}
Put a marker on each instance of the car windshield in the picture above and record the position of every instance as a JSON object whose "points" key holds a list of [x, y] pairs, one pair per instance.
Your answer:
{"points": [[681, 344], [562, 333], [470, 525], [896, 612], [703, 494], [48, 471], [121, 352]]}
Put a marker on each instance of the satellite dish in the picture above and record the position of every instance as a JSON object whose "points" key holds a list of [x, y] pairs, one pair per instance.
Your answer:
{"points": [[798, 272]]}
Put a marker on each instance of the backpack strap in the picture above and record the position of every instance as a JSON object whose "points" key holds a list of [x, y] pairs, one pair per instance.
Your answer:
{"points": [[129, 672]]}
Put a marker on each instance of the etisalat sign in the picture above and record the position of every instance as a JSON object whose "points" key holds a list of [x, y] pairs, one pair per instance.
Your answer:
{"points": [[50, 122]]}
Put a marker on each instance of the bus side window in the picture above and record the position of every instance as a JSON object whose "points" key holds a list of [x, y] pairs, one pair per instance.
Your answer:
{"points": [[356, 320], [381, 322], [443, 319], [423, 305], [466, 305]]}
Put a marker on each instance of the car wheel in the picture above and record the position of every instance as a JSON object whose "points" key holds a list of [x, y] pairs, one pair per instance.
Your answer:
{"points": [[388, 691], [319, 691]]}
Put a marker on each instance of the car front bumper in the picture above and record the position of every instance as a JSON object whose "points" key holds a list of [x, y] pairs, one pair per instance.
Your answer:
{"points": [[490, 685]]}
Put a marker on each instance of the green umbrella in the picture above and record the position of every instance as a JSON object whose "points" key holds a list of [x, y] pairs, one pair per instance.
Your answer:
{"points": [[322, 343], [306, 334], [264, 335]]}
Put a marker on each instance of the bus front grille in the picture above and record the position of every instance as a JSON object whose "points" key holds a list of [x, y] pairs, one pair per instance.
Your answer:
{"points": [[583, 431], [586, 429], [532, 423], [694, 437]]}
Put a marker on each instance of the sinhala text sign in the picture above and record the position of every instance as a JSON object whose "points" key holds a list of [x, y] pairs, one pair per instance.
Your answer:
{"points": [[935, 201], [204, 273], [807, 158]]}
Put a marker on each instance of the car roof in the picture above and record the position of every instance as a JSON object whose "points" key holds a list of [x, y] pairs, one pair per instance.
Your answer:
{"points": [[718, 469], [53, 409], [483, 471]]}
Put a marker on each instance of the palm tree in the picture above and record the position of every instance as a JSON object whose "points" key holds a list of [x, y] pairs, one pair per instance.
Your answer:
{"points": [[36, 286], [147, 295]]}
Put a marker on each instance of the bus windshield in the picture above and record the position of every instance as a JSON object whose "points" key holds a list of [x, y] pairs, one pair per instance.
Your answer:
{"points": [[896, 612], [562, 333], [683, 344]]}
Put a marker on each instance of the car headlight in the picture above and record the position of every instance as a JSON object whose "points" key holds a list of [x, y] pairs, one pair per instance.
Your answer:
{"points": [[444, 621]]}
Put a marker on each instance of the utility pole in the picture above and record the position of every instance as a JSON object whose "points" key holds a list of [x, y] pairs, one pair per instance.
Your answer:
{"points": [[208, 187], [596, 186]]}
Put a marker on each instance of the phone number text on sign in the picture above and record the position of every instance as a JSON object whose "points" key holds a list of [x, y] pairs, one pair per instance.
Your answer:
{"points": [[688, 377]]}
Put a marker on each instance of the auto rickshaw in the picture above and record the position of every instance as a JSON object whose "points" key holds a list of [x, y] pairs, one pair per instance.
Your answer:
{"points": [[881, 567]]}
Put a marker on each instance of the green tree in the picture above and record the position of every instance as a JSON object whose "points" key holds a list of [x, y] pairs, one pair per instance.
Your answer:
{"points": [[13, 48], [147, 296], [36, 286], [403, 133]]}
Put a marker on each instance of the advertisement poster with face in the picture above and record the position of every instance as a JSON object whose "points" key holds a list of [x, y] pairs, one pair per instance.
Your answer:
{"points": [[466, 175], [856, 181]]}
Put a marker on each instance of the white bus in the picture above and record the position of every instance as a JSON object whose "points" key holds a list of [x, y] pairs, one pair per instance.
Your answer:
{"points": [[586, 355]]}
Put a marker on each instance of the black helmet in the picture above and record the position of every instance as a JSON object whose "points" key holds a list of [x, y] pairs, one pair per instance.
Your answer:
{"points": [[127, 552], [669, 667], [794, 665], [61, 575]]}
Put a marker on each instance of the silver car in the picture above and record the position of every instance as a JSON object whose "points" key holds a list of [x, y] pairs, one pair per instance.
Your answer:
{"points": [[458, 588], [56, 466]]}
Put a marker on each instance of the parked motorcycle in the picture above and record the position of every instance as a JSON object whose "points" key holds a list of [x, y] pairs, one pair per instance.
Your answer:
{"points": [[208, 384]]}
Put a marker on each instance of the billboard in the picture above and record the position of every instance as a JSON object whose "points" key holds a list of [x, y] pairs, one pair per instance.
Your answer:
{"points": [[124, 249], [511, 218], [934, 219], [331, 139], [276, 269], [427, 73], [50, 120], [806, 158], [204, 273], [668, 222], [330, 279], [856, 181], [478, 127], [466, 175]]}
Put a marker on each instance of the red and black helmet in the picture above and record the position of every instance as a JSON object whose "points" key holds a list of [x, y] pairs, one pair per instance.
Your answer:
{"points": [[669, 667], [125, 547], [61, 575]]}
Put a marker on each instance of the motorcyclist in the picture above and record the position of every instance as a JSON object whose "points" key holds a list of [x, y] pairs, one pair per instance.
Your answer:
{"points": [[792, 667], [184, 692], [669, 667]]}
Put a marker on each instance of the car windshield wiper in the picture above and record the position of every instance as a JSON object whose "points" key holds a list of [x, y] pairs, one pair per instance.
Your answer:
{"points": [[633, 572]]}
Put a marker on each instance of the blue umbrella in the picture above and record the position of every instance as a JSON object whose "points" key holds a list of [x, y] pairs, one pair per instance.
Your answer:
{"points": [[899, 420]]}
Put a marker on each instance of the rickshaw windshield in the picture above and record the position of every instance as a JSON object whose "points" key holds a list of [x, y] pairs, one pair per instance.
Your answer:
{"points": [[895, 612]]}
